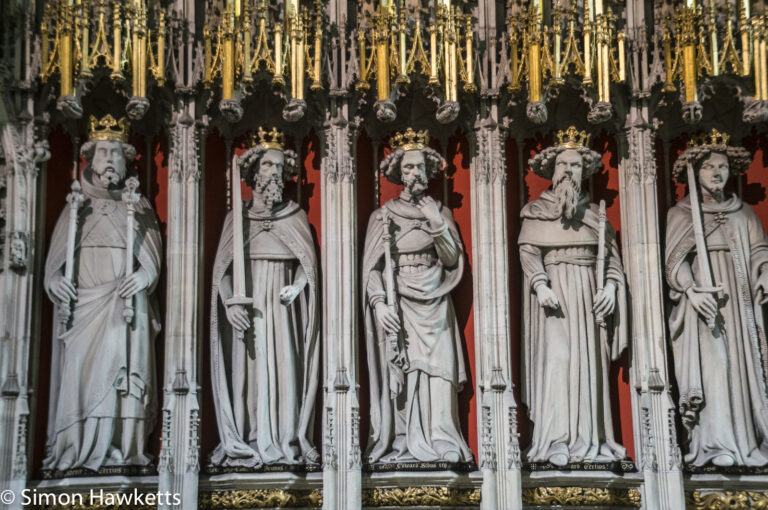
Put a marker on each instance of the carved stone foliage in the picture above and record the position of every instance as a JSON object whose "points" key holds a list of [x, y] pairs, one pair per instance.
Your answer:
{"points": [[741, 500], [261, 498], [580, 496], [421, 496]]}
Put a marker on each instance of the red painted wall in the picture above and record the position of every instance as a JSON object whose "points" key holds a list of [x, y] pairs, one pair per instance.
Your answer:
{"points": [[524, 186]]}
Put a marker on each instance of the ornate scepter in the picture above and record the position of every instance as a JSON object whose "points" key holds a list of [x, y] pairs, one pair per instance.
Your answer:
{"points": [[702, 255], [74, 199], [601, 258], [395, 358], [130, 199]]}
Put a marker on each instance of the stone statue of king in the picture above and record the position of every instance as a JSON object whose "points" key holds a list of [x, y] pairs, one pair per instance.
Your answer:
{"points": [[717, 324], [412, 260], [103, 390], [574, 314], [265, 350]]}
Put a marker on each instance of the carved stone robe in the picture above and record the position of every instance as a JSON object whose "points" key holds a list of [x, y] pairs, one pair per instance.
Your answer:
{"points": [[103, 370], [422, 422], [264, 386], [567, 355], [721, 374]]}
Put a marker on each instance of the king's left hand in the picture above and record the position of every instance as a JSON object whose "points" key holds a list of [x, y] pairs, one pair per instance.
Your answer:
{"points": [[136, 282], [605, 300], [288, 294], [431, 211], [761, 288]]}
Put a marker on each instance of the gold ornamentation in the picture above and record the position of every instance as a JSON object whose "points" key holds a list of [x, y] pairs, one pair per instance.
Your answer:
{"points": [[714, 137], [108, 129], [261, 498], [581, 496], [421, 496], [409, 140], [572, 138], [742, 500], [273, 139]]}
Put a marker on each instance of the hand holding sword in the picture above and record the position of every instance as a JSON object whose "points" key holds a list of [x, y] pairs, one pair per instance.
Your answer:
{"points": [[238, 300], [705, 283], [75, 200]]}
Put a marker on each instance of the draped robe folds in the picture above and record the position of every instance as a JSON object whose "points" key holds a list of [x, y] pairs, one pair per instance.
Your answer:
{"points": [[103, 370], [567, 354], [421, 423], [264, 386], [721, 374]]}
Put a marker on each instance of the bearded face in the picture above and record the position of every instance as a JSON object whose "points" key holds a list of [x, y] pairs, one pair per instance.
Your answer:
{"points": [[567, 182], [269, 181], [413, 168], [108, 163]]}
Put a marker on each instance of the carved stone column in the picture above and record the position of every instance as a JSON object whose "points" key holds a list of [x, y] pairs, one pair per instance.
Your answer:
{"points": [[179, 464], [497, 415], [653, 409], [341, 409], [658, 453], [19, 253]]}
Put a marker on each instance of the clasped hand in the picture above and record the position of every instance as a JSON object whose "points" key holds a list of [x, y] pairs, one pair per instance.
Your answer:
{"points": [[703, 302], [387, 318]]}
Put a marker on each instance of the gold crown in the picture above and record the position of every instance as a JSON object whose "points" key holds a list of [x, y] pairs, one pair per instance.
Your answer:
{"points": [[572, 138], [715, 137], [410, 140], [273, 139], [108, 128]]}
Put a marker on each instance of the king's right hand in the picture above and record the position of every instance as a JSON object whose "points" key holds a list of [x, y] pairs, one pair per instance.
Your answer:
{"points": [[63, 289], [704, 303], [387, 318], [547, 297], [238, 317]]}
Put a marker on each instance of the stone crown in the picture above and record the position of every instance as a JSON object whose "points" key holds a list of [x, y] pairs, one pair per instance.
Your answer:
{"points": [[409, 140], [273, 139], [572, 138], [108, 129]]}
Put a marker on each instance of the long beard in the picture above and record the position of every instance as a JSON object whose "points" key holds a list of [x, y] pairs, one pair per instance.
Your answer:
{"points": [[567, 193], [272, 191]]}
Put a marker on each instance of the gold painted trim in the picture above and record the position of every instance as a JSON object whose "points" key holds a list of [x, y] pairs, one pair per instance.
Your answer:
{"points": [[420, 496], [741, 500], [260, 498], [581, 496]]}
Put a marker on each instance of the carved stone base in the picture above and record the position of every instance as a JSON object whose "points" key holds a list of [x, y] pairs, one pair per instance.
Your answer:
{"points": [[386, 467], [447, 112], [622, 466], [600, 112], [294, 110], [386, 111], [231, 109], [537, 112], [70, 106], [137, 107], [692, 112], [271, 468], [49, 474], [755, 111]]}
